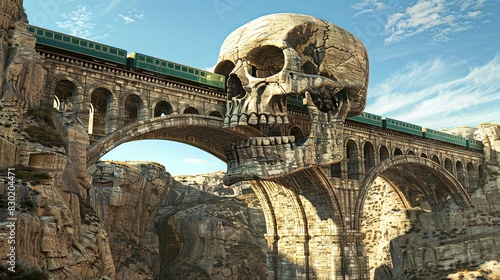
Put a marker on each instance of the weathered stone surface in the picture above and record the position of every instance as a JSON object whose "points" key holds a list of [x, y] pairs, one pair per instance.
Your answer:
{"points": [[203, 236], [126, 197]]}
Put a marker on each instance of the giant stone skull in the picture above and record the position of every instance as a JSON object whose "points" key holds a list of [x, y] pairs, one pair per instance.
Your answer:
{"points": [[276, 57]]}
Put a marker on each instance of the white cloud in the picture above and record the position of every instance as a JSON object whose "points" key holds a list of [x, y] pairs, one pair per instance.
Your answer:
{"points": [[437, 18], [369, 6], [78, 22], [438, 93], [132, 16]]}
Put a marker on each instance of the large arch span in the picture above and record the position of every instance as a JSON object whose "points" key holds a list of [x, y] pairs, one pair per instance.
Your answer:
{"points": [[204, 132], [417, 180]]}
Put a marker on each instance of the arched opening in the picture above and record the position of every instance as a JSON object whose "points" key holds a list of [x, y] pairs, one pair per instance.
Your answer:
{"points": [[91, 119], [64, 94], [397, 152], [384, 153], [162, 108], [448, 166], [436, 160], [215, 114], [101, 100], [133, 108], [369, 155], [299, 136], [190, 110], [352, 160], [460, 173], [472, 176], [393, 196], [411, 153], [423, 155], [336, 170]]}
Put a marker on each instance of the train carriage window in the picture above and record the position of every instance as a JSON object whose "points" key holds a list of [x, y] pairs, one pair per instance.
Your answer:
{"points": [[184, 69], [105, 49], [157, 62], [163, 64], [197, 72], [58, 37], [191, 71], [98, 47], [149, 60], [39, 32], [75, 41], [91, 45], [49, 34], [113, 51], [83, 43], [177, 67], [121, 53], [203, 74]]}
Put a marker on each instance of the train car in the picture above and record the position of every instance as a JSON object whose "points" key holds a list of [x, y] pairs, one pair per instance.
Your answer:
{"points": [[367, 118], [78, 47], [401, 126], [296, 102], [444, 137], [474, 144], [157, 66]]}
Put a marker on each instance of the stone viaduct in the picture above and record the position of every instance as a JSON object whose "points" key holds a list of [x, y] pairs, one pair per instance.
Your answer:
{"points": [[314, 215]]}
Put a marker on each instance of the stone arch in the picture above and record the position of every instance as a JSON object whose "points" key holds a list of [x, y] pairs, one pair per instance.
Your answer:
{"points": [[352, 160], [411, 153], [460, 172], [101, 101], [436, 159], [188, 129], [369, 156], [162, 108], [397, 152], [65, 91], [285, 203], [448, 165], [423, 155], [132, 109], [190, 110], [384, 153], [297, 132], [472, 178], [407, 173], [215, 114]]}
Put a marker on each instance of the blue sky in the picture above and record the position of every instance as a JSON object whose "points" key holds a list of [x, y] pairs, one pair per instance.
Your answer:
{"points": [[435, 63]]}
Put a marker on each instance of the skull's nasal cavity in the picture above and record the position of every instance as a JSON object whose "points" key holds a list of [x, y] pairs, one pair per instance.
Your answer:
{"points": [[234, 87]]}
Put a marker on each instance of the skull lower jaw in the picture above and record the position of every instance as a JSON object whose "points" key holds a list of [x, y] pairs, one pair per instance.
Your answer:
{"points": [[264, 158]]}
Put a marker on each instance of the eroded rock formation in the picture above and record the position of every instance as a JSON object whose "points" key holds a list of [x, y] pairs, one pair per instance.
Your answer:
{"points": [[203, 236], [126, 197]]}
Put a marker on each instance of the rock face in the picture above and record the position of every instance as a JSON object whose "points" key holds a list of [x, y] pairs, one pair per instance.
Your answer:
{"points": [[57, 234], [126, 197], [203, 236]]}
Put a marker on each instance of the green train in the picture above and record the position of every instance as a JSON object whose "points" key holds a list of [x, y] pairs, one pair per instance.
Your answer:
{"points": [[89, 50], [85, 49], [408, 128]]}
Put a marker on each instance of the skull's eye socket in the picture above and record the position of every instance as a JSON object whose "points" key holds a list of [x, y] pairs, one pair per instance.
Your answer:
{"points": [[266, 61], [224, 67]]}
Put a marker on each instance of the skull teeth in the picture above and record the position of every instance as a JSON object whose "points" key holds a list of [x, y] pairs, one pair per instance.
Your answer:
{"points": [[263, 141], [253, 119]]}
